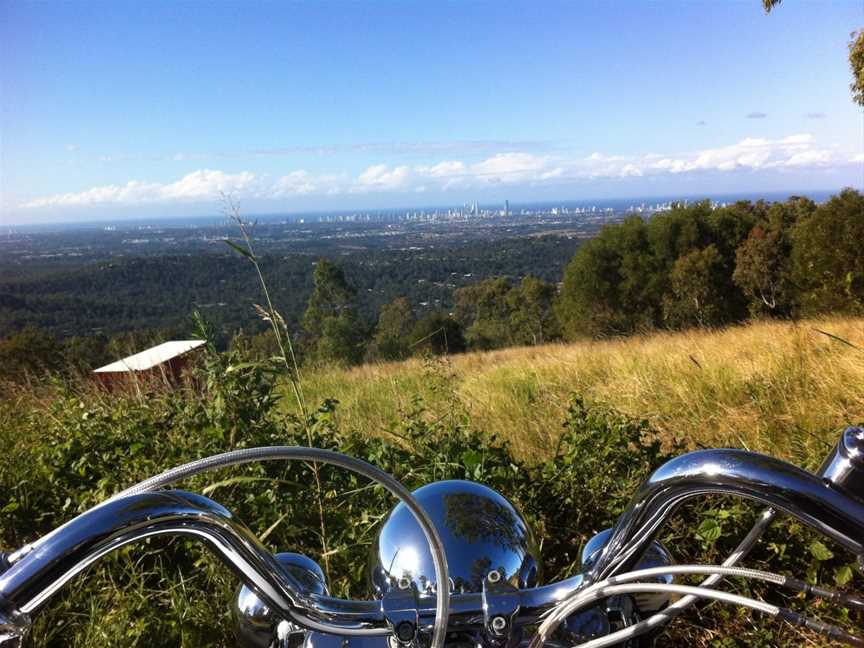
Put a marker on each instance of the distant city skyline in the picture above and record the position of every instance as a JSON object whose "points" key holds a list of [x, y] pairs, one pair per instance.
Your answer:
{"points": [[495, 210], [125, 110]]}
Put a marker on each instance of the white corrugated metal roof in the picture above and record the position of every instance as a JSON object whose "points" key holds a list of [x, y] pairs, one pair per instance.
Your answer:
{"points": [[151, 357]]}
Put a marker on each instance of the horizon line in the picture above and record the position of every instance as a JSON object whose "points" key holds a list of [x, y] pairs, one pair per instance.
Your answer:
{"points": [[252, 215]]}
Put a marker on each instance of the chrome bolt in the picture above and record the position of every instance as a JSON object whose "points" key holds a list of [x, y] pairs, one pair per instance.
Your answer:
{"points": [[499, 624], [494, 576], [404, 583]]}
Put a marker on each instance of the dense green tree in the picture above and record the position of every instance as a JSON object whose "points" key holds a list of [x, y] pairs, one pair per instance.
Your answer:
{"points": [[697, 297], [80, 297], [681, 230], [483, 311], [694, 227], [395, 322], [332, 331], [83, 353], [331, 296], [629, 278], [532, 313], [762, 261], [437, 333], [761, 271], [495, 314], [611, 284], [617, 283], [730, 225], [31, 351], [340, 341], [826, 256], [856, 62]]}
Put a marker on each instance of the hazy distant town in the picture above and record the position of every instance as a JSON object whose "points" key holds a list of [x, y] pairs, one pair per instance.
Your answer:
{"points": [[325, 232]]}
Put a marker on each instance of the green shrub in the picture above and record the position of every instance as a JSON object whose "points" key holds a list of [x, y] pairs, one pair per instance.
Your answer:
{"points": [[68, 449]]}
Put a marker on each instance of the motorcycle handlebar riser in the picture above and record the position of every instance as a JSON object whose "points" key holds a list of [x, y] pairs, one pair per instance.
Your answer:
{"points": [[844, 467], [729, 472]]}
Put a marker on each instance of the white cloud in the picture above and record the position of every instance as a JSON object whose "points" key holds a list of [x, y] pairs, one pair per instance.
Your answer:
{"points": [[205, 184], [667, 164], [196, 186], [450, 174], [630, 170], [296, 183], [450, 168], [301, 183], [511, 167], [808, 159], [799, 151], [382, 178], [751, 154], [802, 140]]}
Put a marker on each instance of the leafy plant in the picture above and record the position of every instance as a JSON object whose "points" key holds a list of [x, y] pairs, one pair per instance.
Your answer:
{"points": [[68, 447]]}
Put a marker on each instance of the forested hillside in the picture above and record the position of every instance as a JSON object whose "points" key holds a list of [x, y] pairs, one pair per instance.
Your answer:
{"points": [[161, 292], [697, 265]]}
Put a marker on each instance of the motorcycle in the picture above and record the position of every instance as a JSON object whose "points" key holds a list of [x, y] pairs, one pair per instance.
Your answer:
{"points": [[456, 565]]}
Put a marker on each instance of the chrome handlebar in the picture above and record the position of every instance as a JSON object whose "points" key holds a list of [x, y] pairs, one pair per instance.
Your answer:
{"points": [[41, 572], [765, 479], [826, 503], [30, 581]]}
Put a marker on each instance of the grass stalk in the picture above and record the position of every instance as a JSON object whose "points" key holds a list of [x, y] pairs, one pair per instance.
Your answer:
{"points": [[287, 357]]}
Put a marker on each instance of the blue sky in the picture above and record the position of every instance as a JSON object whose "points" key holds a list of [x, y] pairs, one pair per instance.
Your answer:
{"points": [[151, 109]]}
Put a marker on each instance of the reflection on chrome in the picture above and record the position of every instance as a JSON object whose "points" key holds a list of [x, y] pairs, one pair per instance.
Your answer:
{"points": [[493, 560], [255, 624], [732, 472], [844, 467], [481, 531], [28, 583]]}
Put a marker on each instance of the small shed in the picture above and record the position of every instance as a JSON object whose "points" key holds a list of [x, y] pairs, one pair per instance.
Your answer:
{"points": [[166, 360]]}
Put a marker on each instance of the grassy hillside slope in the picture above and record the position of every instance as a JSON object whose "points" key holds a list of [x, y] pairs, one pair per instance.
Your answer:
{"points": [[780, 388]]}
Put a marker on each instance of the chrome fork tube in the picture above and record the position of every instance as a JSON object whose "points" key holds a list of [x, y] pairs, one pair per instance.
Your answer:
{"points": [[728, 472]]}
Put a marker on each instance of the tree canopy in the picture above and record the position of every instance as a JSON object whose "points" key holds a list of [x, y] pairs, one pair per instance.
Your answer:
{"points": [[330, 325]]}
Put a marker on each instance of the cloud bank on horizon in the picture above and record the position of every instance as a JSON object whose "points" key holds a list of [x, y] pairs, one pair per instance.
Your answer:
{"points": [[510, 168]]}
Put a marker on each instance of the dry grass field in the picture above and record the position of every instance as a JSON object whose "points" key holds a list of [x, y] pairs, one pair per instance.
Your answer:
{"points": [[780, 388]]}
